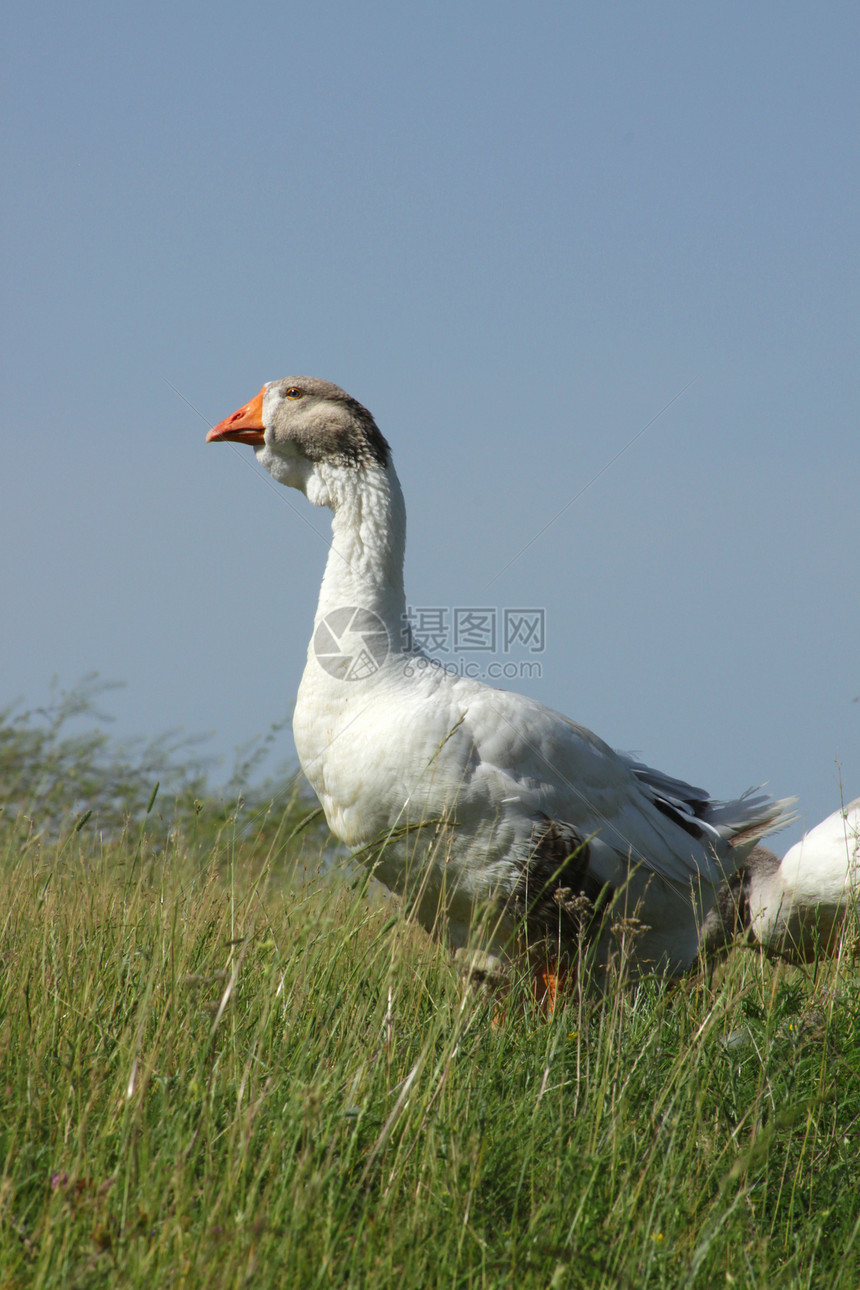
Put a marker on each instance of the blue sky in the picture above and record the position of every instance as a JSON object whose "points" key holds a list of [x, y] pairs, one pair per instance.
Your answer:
{"points": [[516, 233]]}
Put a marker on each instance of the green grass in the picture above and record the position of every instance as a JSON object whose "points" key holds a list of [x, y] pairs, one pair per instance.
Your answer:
{"points": [[225, 1062]]}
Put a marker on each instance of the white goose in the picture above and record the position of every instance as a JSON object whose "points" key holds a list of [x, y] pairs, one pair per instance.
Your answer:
{"points": [[495, 813], [795, 906]]}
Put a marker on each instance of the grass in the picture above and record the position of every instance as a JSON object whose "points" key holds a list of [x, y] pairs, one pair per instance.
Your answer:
{"points": [[224, 1062]]}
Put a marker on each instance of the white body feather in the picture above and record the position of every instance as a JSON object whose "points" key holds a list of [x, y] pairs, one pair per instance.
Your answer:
{"points": [[802, 905], [481, 769]]}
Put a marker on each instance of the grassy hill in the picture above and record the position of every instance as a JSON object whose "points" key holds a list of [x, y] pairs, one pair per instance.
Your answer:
{"points": [[226, 1061]]}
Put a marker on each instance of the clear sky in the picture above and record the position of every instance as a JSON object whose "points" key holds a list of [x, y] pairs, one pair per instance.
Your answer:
{"points": [[515, 232]]}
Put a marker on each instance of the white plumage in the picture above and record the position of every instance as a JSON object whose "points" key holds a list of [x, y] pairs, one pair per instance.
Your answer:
{"points": [[494, 813], [795, 906]]}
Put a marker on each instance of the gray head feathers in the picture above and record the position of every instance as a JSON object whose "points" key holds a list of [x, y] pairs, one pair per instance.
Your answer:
{"points": [[327, 424]]}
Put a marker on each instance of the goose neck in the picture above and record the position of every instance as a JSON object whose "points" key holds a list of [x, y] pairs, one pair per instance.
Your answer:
{"points": [[365, 562]]}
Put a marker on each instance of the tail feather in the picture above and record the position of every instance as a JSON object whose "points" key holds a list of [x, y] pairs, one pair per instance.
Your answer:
{"points": [[748, 817], [751, 816]]}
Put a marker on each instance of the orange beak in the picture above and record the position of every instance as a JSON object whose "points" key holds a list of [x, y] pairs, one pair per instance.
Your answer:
{"points": [[244, 426]]}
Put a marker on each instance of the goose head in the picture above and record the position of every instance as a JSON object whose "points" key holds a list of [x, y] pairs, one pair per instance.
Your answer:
{"points": [[307, 433]]}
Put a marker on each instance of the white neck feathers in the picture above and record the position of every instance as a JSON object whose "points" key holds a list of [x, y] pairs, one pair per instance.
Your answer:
{"points": [[365, 563]]}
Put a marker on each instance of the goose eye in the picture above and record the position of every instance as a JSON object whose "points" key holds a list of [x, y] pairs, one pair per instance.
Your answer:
{"points": [[293, 392]]}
